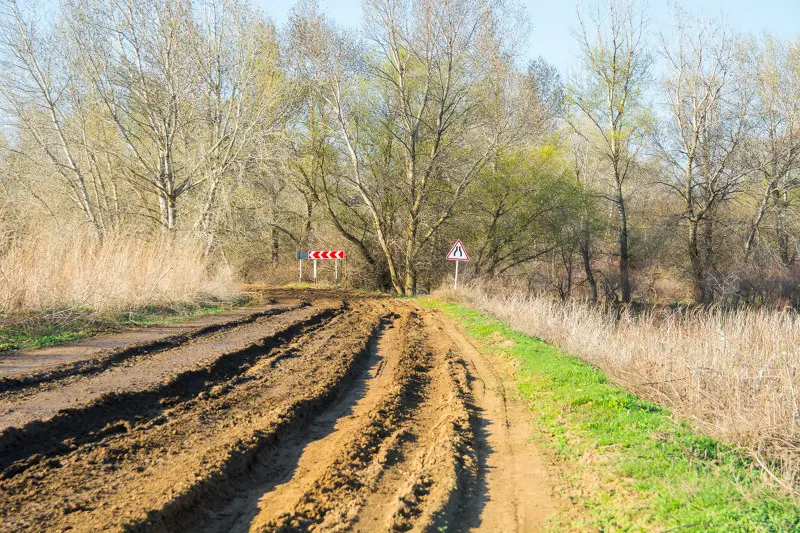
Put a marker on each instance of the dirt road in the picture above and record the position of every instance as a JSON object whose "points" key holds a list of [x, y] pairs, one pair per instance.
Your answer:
{"points": [[324, 411]]}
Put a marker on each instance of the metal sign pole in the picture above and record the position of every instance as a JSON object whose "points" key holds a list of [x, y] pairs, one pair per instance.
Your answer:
{"points": [[315, 271], [301, 271], [336, 271], [457, 254]]}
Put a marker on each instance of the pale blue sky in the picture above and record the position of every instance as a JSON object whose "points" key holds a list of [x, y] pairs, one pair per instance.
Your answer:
{"points": [[552, 20]]}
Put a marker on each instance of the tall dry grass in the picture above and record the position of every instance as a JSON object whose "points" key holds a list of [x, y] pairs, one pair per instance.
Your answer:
{"points": [[735, 374], [48, 271]]}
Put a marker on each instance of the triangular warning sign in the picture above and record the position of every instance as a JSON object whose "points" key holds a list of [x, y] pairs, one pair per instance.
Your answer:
{"points": [[458, 253]]}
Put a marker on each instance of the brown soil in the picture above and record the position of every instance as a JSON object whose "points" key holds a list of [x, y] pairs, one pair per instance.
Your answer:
{"points": [[348, 413]]}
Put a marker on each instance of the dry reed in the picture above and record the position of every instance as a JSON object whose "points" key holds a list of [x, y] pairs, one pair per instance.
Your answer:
{"points": [[47, 271]]}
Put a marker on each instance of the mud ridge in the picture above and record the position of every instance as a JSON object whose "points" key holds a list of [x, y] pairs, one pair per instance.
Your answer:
{"points": [[126, 481], [177, 513], [23, 447], [331, 503], [463, 496], [108, 358]]}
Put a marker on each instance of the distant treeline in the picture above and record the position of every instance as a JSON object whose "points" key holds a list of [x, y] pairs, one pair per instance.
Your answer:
{"points": [[151, 118]]}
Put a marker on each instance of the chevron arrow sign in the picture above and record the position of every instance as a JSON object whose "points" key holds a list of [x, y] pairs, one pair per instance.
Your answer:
{"points": [[326, 254]]}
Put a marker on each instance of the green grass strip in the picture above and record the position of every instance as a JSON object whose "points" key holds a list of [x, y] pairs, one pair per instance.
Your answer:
{"points": [[623, 463], [41, 332]]}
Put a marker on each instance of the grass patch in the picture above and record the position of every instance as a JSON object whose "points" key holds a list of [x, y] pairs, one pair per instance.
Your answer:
{"points": [[624, 463], [40, 330]]}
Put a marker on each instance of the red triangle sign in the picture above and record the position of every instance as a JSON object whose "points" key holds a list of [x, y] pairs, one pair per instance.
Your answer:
{"points": [[458, 253]]}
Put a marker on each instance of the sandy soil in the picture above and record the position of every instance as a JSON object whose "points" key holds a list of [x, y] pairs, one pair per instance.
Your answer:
{"points": [[325, 411]]}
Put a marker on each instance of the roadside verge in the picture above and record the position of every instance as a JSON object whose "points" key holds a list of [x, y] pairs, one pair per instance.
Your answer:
{"points": [[623, 463]]}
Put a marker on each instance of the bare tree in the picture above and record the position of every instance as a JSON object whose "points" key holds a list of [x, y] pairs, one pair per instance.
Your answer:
{"points": [[235, 58], [616, 62], [36, 92], [134, 53], [774, 143], [701, 141]]}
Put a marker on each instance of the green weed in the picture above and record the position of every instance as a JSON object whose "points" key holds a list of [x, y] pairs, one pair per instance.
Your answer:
{"points": [[40, 331]]}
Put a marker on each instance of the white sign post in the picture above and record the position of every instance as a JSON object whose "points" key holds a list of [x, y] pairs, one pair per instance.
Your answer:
{"points": [[300, 256], [457, 254], [324, 254]]}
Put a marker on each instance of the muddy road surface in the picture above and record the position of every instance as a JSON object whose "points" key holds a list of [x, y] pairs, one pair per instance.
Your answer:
{"points": [[319, 411]]}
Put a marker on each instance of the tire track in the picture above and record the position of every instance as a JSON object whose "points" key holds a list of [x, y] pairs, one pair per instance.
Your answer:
{"points": [[105, 359], [334, 498], [366, 415], [513, 490], [437, 462], [269, 483], [402, 460], [150, 476], [113, 412]]}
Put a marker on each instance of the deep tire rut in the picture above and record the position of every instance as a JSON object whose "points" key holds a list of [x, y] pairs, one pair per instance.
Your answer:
{"points": [[105, 359], [117, 411], [333, 499]]}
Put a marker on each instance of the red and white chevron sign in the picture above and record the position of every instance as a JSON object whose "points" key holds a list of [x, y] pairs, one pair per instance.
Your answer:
{"points": [[326, 254]]}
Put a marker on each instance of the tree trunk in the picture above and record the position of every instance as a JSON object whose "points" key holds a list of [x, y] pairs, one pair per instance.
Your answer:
{"points": [[274, 231], [172, 212], [708, 244], [169, 211], [624, 258], [206, 221], [781, 234], [274, 249], [762, 210], [398, 287], [568, 270], [696, 263], [306, 231], [410, 283], [410, 286], [167, 198], [587, 263]]}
